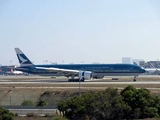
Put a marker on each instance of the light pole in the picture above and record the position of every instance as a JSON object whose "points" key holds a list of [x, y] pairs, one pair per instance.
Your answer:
{"points": [[79, 86]]}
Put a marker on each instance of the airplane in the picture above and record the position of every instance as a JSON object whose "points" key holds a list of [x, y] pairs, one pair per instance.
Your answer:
{"points": [[82, 71], [15, 72], [152, 70]]}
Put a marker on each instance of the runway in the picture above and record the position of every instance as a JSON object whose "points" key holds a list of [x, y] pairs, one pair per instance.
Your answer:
{"points": [[75, 83], [32, 80]]}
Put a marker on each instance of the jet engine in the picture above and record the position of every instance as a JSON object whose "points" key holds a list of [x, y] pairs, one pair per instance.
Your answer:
{"points": [[85, 75]]}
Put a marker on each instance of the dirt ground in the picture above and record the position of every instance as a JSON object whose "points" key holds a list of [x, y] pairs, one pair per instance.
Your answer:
{"points": [[15, 94]]}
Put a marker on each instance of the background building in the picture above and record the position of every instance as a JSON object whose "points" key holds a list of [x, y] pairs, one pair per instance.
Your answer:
{"points": [[137, 61], [142, 64], [126, 60]]}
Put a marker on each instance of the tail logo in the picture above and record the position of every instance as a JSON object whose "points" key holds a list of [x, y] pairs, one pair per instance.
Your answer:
{"points": [[22, 60]]}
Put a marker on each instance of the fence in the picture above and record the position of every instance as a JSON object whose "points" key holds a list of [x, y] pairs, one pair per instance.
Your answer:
{"points": [[17, 101], [14, 104]]}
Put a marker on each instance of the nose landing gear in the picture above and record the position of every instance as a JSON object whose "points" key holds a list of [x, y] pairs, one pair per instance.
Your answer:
{"points": [[135, 78]]}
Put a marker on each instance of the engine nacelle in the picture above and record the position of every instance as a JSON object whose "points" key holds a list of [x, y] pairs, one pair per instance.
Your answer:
{"points": [[85, 75]]}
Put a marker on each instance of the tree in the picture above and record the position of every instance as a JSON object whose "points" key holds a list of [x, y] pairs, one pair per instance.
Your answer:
{"points": [[141, 102], [101, 105], [28, 103], [130, 103], [6, 114]]}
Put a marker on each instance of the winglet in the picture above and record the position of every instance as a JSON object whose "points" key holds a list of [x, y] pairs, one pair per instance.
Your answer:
{"points": [[23, 60]]}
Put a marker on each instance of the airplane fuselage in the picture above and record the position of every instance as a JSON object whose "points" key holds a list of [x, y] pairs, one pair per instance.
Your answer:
{"points": [[96, 69]]}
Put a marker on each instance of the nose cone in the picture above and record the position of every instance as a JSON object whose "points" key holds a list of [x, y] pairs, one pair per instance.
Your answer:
{"points": [[143, 71]]}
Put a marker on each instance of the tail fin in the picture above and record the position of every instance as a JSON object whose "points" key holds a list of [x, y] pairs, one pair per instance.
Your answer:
{"points": [[23, 60]]}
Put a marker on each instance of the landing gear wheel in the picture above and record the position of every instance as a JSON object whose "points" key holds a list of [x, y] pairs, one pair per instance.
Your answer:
{"points": [[135, 78], [82, 80]]}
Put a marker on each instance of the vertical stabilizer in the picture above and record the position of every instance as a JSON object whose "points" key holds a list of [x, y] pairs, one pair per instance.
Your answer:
{"points": [[23, 60]]}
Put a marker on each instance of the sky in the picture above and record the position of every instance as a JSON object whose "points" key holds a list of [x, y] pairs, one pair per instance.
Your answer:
{"points": [[79, 31]]}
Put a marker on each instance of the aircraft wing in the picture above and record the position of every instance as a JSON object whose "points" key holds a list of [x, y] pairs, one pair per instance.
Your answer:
{"points": [[59, 70]]}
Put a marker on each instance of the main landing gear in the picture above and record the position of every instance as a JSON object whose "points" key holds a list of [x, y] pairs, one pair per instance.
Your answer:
{"points": [[135, 78], [82, 79], [76, 80]]}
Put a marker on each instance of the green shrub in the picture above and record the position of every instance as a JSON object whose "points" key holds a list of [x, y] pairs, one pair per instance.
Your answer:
{"points": [[28, 103], [41, 103], [6, 114]]}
